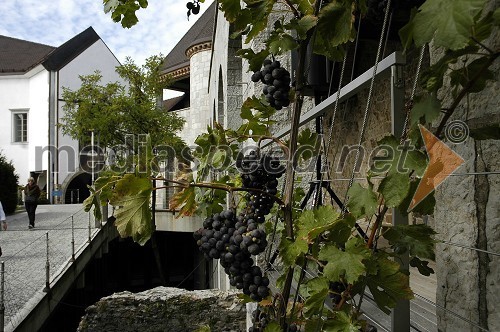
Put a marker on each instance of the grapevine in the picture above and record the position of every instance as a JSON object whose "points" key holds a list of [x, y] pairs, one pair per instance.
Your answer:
{"points": [[276, 81], [235, 238]]}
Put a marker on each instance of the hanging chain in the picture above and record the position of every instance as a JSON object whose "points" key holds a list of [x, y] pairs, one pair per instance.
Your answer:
{"points": [[368, 102]]}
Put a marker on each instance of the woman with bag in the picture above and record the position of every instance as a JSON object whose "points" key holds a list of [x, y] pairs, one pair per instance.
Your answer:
{"points": [[31, 194]]}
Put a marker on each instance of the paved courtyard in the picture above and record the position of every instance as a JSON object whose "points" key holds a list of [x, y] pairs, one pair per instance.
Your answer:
{"points": [[25, 251]]}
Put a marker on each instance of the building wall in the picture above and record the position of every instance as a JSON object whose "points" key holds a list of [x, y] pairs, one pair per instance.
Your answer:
{"points": [[199, 114], [25, 92], [95, 58], [468, 213]]}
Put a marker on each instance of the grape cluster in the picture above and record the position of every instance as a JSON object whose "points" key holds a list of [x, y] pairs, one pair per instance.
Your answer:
{"points": [[220, 238], [193, 7], [260, 321], [276, 81], [235, 238]]}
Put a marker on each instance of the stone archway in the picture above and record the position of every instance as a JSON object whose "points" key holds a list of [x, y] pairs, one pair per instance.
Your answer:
{"points": [[75, 189]]}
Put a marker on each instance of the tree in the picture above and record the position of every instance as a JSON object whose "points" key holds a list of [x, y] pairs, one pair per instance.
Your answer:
{"points": [[8, 185], [345, 263], [115, 111]]}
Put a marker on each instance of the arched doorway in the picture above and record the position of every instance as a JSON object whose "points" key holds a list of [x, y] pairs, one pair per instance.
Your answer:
{"points": [[77, 190]]}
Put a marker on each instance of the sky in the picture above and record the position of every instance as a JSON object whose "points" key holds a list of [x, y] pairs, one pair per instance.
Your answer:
{"points": [[161, 25]]}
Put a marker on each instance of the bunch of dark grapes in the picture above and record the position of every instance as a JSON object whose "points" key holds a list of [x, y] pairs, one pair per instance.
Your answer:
{"points": [[276, 81], [336, 290], [220, 238], [258, 172], [260, 321], [193, 7]]}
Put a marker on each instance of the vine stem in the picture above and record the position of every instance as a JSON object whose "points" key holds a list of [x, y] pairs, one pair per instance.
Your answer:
{"points": [[218, 186], [290, 170], [464, 92]]}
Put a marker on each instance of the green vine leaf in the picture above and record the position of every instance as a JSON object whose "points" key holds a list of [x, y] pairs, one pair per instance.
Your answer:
{"points": [[342, 322], [362, 201], [255, 60], [290, 250], [132, 196], [93, 201], [394, 187], [302, 26], [388, 284], [346, 264], [425, 207], [185, 201], [425, 110], [422, 266], [310, 222], [447, 23], [314, 303], [273, 327], [336, 23], [416, 239]]}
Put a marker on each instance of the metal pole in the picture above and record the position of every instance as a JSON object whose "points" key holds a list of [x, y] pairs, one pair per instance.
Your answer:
{"points": [[92, 151], [400, 315], [2, 294], [47, 265], [72, 239], [90, 235]]}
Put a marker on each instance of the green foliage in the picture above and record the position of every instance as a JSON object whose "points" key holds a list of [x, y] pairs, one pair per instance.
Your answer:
{"points": [[416, 239], [345, 264], [362, 201], [386, 282], [117, 113], [447, 23], [124, 10], [8, 185]]}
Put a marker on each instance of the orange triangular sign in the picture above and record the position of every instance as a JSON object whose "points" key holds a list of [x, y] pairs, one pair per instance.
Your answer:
{"points": [[442, 163]]}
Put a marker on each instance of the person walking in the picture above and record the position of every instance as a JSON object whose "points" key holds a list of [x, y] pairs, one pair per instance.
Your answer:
{"points": [[31, 195]]}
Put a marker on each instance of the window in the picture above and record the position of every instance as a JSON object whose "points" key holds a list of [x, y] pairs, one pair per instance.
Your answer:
{"points": [[20, 127]]}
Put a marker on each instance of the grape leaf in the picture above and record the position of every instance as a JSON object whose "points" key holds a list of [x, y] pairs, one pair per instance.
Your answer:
{"points": [[422, 266], [394, 187], [290, 250], [255, 60], [425, 207], [314, 303], [418, 239], [273, 327], [132, 196], [93, 200], [336, 23], [341, 322], [302, 25], [185, 202], [347, 264], [448, 23], [388, 284], [362, 201]]}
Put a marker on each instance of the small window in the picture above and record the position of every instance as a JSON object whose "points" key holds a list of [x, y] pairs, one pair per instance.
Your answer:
{"points": [[20, 127]]}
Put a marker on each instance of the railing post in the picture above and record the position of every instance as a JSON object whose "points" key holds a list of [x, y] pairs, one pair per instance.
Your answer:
{"points": [[90, 235], [2, 294], [400, 315], [72, 239], [47, 265]]}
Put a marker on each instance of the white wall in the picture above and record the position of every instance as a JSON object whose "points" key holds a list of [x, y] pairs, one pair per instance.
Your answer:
{"points": [[199, 115], [27, 92], [96, 57]]}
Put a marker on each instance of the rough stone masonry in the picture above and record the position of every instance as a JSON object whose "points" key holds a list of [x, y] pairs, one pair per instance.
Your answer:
{"points": [[166, 309]]}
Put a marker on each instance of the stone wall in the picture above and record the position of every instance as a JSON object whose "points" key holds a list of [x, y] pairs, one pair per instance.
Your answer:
{"points": [[166, 309], [467, 215]]}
